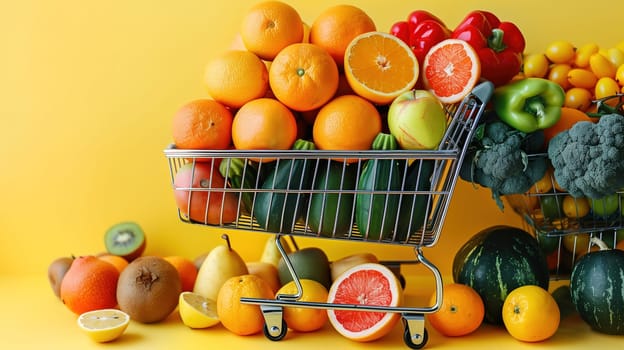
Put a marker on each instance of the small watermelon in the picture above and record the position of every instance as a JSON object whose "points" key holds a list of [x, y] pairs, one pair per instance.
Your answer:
{"points": [[496, 261], [597, 287]]}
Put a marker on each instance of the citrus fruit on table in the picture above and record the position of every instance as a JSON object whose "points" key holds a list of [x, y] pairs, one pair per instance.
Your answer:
{"points": [[365, 284], [89, 284], [303, 319], [347, 122], [235, 77], [237, 317], [186, 269], [197, 311], [451, 70], [379, 66], [461, 313], [104, 325], [270, 26], [202, 124], [303, 76], [336, 26], [264, 123], [119, 262], [531, 314]]}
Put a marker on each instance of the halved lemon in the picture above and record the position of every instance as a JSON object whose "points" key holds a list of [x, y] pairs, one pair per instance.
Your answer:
{"points": [[104, 325], [197, 311]]}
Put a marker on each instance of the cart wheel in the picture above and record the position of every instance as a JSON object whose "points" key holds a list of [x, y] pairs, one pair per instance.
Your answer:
{"points": [[279, 336], [407, 338]]}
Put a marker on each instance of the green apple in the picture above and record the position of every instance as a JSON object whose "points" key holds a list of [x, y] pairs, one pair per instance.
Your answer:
{"points": [[417, 120], [605, 206]]}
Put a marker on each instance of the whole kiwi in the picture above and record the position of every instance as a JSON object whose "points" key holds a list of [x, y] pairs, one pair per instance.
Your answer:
{"points": [[148, 289]]}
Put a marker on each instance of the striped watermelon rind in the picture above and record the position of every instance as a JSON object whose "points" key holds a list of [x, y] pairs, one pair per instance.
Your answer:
{"points": [[496, 261], [597, 287]]}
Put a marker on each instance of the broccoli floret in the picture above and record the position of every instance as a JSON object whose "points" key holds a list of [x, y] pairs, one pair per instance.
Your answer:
{"points": [[499, 160], [589, 157]]}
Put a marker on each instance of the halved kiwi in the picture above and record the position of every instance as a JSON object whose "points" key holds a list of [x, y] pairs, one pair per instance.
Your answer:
{"points": [[125, 239]]}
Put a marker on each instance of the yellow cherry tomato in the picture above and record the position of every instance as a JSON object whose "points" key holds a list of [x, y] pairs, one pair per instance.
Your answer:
{"points": [[560, 51], [606, 87], [616, 56], [583, 78], [581, 59], [578, 98], [558, 73], [601, 66], [535, 65], [619, 75]]}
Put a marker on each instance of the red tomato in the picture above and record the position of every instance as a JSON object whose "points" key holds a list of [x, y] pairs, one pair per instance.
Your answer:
{"points": [[205, 205]]}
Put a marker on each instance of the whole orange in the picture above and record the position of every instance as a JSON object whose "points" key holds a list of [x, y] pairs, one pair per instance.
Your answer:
{"points": [[186, 269], [202, 124], [531, 314], [119, 262], [236, 77], [90, 284], [303, 76], [239, 318], [270, 26], [461, 312], [347, 122], [264, 123], [336, 26], [303, 319]]}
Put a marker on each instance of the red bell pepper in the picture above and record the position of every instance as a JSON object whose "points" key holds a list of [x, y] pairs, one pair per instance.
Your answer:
{"points": [[499, 45]]}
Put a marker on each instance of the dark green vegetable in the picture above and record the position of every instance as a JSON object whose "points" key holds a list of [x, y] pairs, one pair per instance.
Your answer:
{"points": [[330, 214], [529, 104], [496, 261], [278, 209], [414, 206], [376, 214], [597, 286]]}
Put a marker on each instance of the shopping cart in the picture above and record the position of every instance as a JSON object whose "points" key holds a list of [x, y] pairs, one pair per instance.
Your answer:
{"points": [[422, 231]]}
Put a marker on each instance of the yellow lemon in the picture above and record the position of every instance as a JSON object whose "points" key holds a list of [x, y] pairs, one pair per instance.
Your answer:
{"points": [[104, 325], [197, 311]]}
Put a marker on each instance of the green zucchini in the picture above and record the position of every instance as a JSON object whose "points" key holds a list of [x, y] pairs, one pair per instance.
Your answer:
{"points": [[376, 213], [414, 206], [330, 214], [278, 208]]}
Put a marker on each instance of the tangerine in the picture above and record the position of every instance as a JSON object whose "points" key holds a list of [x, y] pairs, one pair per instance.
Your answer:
{"points": [[451, 69], [270, 26], [237, 317], [303, 319], [90, 284], [186, 269], [531, 314], [461, 313], [236, 77], [347, 122], [355, 286], [264, 123], [380, 66], [336, 26], [119, 262], [202, 124], [303, 77]]}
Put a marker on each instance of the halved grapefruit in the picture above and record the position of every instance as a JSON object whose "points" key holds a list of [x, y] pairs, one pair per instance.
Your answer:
{"points": [[365, 284], [451, 70]]}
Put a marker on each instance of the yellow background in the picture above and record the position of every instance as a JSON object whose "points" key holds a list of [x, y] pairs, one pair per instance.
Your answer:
{"points": [[89, 88], [87, 94]]}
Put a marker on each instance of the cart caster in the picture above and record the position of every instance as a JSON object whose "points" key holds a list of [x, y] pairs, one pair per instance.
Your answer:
{"points": [[415, 335], [275, 327], [275, 333]]}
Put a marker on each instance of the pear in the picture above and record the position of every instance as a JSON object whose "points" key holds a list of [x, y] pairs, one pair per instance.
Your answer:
{"points": [[221, 263], [271, 254], [343, 264]]}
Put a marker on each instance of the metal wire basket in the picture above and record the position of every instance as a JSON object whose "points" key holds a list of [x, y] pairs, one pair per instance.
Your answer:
{"points": [[426, 205]]}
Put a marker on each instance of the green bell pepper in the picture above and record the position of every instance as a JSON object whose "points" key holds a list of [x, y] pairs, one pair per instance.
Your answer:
{"points": [[529, 104]]}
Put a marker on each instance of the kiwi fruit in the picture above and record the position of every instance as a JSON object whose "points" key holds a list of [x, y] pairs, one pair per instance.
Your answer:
{"points": [[56, 271], [148, 289], [125, 239]]}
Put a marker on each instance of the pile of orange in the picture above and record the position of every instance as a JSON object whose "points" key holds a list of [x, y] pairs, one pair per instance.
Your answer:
{"points": [[267, 90]]}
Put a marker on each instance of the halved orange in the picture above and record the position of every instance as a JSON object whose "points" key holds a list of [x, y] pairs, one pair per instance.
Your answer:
{"points": [[354, 287], [380, 66], [451, 70]]}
